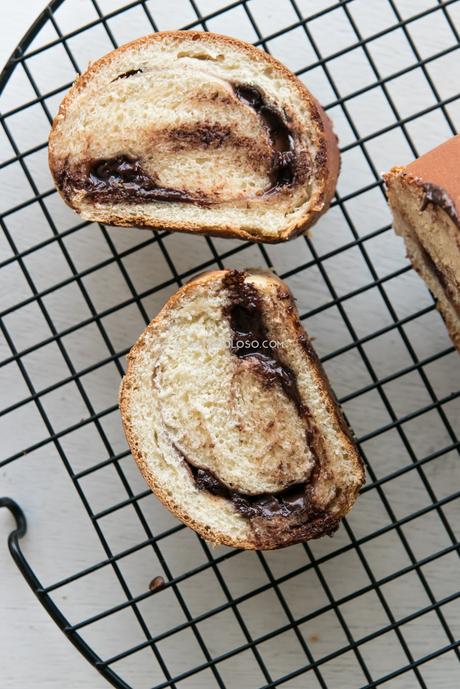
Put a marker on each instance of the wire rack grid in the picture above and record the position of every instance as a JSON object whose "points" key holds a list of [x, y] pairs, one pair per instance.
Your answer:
{"points": [[378, 603]]}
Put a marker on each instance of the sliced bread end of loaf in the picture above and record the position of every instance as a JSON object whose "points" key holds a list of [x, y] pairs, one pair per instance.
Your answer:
{"points": [[431, 241]]}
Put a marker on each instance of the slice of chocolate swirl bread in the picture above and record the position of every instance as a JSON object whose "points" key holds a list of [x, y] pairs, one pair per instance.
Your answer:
{"points": [[424, 198], [194, 132], [230, 417]]}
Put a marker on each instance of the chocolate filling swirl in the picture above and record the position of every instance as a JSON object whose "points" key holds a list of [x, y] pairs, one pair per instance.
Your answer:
{"points": [[293, 500], [123, 178], [283, 163], [439, 197], [250, 339], [269, 505]]}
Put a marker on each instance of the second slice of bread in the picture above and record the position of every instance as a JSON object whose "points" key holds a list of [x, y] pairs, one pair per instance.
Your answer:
{"points": [[194, 132], [424, 198], [230, 417]]}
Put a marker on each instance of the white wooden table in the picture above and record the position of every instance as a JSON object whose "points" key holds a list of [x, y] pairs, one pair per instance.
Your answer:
{"points": [[33, 652]]}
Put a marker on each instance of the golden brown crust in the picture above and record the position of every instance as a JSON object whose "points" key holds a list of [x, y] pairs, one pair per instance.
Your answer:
{"points": [[327, 159], [319, 525]]}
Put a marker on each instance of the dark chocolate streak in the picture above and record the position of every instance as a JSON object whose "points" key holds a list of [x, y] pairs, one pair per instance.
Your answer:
{"points": [[267, 505], [449, 291], [123, 179], [439, 197], [291, 500], [250, 338], [129, 73], [284, 158]]}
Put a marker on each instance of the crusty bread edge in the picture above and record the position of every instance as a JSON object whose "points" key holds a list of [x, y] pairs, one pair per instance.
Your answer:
{"points": [[348, 497], [329, 156]]}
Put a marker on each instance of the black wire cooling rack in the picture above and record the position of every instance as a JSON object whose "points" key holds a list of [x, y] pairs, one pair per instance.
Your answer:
{"points": [[376, 604]]}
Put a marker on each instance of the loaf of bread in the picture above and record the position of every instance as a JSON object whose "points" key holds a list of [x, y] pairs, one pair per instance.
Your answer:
{"points": [[424, 198], [230, 417], [194, 132]]}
